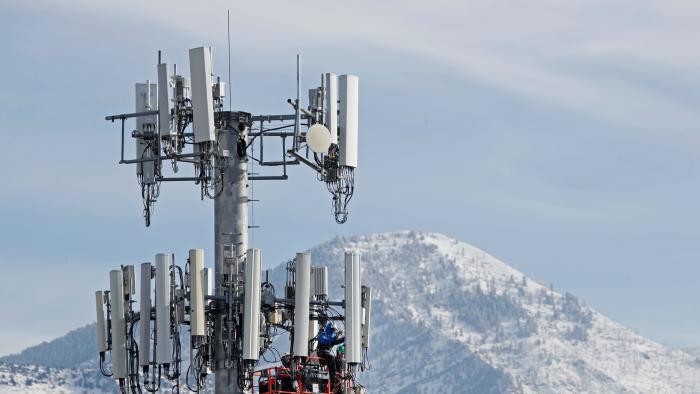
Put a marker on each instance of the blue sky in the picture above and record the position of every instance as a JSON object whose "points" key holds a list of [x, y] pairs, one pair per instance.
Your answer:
{"points": [[561, 138]]}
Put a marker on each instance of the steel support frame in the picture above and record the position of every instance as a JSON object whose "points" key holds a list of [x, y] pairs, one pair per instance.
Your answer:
{"points": [[231, 228]]}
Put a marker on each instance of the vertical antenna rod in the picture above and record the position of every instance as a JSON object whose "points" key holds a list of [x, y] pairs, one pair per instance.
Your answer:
{"points": [[228, 35], [297, 113]]}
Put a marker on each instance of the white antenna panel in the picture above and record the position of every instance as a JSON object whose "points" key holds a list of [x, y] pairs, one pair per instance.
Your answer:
{"points": [[163, 341], [145, 315], [353, 308], [312, 283], [116, 294], [313, 328], [202, 100], [348, 86], [145, 102], [251, 309], [164, 100], [319, 281], [197, 292], [101, 332], [208, 280], [302, 292], [367, 315], [331, 115], [318, 138]]}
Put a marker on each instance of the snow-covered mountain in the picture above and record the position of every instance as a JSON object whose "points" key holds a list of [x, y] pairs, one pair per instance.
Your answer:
{"points": [[447, 318], [64, 365]]}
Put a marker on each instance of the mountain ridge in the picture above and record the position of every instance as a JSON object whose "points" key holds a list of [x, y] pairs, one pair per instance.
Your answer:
{"points": [[460, 320]]}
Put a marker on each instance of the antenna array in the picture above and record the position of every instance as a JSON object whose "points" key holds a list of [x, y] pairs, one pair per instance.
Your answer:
{"points": [[232, 314]]}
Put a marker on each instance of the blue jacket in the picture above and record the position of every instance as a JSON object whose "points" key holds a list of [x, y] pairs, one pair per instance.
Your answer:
{"points": [[328, 338]]}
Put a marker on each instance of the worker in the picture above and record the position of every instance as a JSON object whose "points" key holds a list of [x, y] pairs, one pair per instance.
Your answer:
{"points": [[285, 375], [327, 340]]}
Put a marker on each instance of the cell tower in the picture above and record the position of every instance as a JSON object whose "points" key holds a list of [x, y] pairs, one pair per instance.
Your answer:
{"points": [[233, 314]]}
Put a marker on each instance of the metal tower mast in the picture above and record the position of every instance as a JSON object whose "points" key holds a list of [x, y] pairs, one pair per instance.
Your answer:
{"points": [[179, 113], [231, 244]]}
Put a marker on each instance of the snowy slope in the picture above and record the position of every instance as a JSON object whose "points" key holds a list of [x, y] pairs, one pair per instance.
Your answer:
{"points": [[455, 301], [449, 318], [85, 379]]}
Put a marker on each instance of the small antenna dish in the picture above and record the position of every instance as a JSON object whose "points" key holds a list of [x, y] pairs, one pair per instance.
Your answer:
{"points": [[318, 138]]}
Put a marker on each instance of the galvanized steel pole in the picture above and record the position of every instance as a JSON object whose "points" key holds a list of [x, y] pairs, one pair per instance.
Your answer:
{"points": [[230, 245]]}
